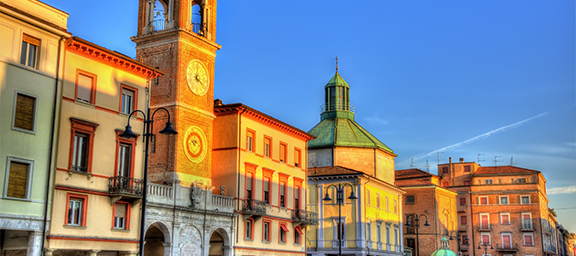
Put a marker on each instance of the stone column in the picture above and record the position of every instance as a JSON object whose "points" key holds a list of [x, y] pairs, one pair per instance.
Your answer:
{"points": [[34, 243], [167, 249]]}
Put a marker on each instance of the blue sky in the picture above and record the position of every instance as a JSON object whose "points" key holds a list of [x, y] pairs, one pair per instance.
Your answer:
{"points": [[470, 77]]}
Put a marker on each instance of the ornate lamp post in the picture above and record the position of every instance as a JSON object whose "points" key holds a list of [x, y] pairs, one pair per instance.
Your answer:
{"points": [[485, 247], [148, 131], [340, 201], [458, 240], [417, 225]]}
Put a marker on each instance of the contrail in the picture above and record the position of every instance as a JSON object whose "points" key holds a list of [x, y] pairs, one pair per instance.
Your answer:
{"points": [[479, 136]]}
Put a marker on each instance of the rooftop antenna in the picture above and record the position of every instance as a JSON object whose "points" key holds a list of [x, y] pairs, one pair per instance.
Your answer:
{"points": [[496, 160], [438, 156], [336, 63], [427, 167], [412, 163], [512, 161], [480, 160]]}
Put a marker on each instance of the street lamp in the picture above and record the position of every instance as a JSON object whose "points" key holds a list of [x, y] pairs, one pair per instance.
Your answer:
{"points": [[417, 225], [458, 240], [148, 131], [485, 247], [340, 200]]}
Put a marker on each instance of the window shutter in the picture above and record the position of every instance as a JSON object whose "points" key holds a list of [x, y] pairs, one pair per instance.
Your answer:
{"points": [[84, 88], [120, 211], [24, 114], [30, 40], [17, 180]]}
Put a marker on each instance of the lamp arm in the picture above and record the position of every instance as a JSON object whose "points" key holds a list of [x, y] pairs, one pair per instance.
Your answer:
{"points": [[135, 112], [163, 108]]}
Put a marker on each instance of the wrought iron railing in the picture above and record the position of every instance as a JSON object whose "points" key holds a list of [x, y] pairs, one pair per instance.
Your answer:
{"points": [[125, 186], [302, 216], [159, 24], [253, 207], [337, 106], [507, 247]]}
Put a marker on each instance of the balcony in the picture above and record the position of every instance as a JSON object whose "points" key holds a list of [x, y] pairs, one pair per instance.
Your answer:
{"points": [[253, 207], [125, 188], [507, 248], [464, 247], [526, 226], [484, 228], [461, 208], [304, 217]]}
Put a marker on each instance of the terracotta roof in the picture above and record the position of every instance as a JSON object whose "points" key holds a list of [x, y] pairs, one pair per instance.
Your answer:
{"points": [[330, 170], [412, 173], [503, 170]]}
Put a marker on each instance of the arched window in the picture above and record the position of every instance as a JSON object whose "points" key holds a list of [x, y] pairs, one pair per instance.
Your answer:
{"points": [[159, 16], [196, 19]]}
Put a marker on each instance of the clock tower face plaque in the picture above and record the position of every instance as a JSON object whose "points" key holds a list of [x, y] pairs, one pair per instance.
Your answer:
{"points": [[194, 144], [197, 77]]}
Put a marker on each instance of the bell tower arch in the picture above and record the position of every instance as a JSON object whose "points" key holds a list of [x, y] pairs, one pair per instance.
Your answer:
{"points": [[178, 37]]}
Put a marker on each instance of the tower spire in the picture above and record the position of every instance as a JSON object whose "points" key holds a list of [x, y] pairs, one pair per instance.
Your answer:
{"points": [[336, 63]]}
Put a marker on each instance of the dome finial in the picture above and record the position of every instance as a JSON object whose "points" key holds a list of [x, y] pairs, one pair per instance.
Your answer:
{"points": [[336, 63]]}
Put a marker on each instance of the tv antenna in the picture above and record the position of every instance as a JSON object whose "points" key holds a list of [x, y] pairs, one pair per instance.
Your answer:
{"points": [[412, 163], [427, 167], [496, 160], [480, 160], [438, 156], [512, 161]]}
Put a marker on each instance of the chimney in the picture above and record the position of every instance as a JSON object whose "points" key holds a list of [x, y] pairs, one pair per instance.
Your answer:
{"points": [[461, 159], [218, 102], [450, 159]]}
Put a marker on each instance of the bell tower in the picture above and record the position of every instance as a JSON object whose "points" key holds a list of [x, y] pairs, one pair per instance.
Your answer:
{"points": [[179, 38]]}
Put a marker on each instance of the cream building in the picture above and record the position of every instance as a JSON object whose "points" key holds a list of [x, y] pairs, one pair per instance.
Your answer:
{"points": [[97, 184], [345, 157], [32, 36]]}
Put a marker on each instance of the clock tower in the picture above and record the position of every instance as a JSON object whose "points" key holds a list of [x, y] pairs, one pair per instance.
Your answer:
{"points": [[179, 38]]}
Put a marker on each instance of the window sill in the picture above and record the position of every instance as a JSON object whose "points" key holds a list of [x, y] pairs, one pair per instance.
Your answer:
{"points": [[248, 240], [88, 174], [120, 230], [266, 242], [297, 244], [74, 227], [87, 104], [17, 199], [33, 132], [282, 243]]}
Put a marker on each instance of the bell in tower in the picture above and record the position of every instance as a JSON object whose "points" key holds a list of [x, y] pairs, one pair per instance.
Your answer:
{"points": [[178, 37]]}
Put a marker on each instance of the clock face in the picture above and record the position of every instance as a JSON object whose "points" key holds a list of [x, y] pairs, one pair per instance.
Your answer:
{"points": [[197, 77], [195, 144]]}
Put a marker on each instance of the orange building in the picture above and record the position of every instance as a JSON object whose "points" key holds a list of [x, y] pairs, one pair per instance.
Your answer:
{"points": [[262, 161], [503, 206], [98, 183], [425, 197]]}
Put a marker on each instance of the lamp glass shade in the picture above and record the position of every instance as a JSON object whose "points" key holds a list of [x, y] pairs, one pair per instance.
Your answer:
{"points": [[352, 196], [327, 198], [426, 224], [168, 130], [128, 134]]}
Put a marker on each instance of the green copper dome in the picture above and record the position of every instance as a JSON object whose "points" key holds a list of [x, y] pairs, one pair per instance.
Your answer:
{"points": [[337, 80], [444, 249]]}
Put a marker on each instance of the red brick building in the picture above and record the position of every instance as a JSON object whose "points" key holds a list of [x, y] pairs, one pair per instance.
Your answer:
{"points": [[425, 196], [505, 207]]}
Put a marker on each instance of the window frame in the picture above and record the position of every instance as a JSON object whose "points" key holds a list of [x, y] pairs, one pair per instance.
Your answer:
{"points": [[462, 201], [413, 199], [502, 197], [297, 187], [466, 168], [297, 158], [463, 220], [525, 196], [84, 213], [282, 232], [395, 206], [283, 179], [266, 231], [368, 199], [487, 220], [269, 146], [485, 234], [249, 173], [132, 143], [126, 218], [531, 239], [30, 41], [283, 158], [387, 202], [298, 234], [35, 114], [378, 203], [502, 238], [93, 87], [249, 233], [29, 176], [134, 91], [502, 219], [480, 200], [83, 127], [250, 143], [488, 182], [522, 214]]}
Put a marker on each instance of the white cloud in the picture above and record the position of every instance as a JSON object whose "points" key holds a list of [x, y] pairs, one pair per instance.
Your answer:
{"points": [[376, 120], [561, 190]]}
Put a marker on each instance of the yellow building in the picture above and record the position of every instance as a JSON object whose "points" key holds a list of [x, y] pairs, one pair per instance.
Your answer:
{"points": [[97, 185], [32, 36], [345, 157], [262, 162]]}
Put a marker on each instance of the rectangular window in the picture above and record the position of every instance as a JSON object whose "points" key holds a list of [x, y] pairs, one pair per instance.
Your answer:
{"points": [[249, 180], [484, 221], [29, 53], [463, 239], [395, 206], [76, 210], [282, 153], [528, 239], [369, 230], [377, 200], [387, 204], [18, 178], [485, 238], [297, 157], [379, 232], [525, 199], [446, 184], [124, 160], [283, 231], [85, 87], [526, 221], [267, 190], [266, 231], [127, 101], [463, 220], [368, 197], [483, 200], [24, 116], [248, 228], [462, 201], [297, 198], [250, 141], [467, 183], [410, 199], [121, 213], [341, 230], [444, 169], [487, 182], [467, 168], [504, 200], [267, 147], [282, 194], [506, 240], [298, 234], [505, 218], [80, 156]]}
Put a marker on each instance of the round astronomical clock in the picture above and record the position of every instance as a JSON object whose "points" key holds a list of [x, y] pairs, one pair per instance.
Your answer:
{"points": [[195, 144], [197, 77]]}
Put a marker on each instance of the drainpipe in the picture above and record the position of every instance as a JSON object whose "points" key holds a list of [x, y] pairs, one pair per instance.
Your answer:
{"points": [[50, 150], [238, 164]]}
